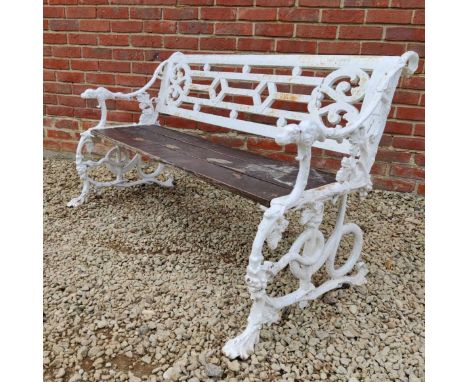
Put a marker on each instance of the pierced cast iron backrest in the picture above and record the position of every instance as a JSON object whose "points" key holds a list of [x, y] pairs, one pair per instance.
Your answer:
{"points": [[260, 94]]}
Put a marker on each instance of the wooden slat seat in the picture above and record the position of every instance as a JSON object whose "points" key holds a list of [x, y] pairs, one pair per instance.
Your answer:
{"points": [[253, 176]]}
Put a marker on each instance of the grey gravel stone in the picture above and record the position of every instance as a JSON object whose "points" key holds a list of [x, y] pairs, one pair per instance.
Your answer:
{"points": [[213, 370], [151, 274]]}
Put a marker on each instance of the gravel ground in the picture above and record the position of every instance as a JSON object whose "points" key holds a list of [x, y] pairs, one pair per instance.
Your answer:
{"points": [[146, 284]]}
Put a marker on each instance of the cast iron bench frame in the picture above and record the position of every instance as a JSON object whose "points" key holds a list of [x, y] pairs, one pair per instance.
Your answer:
{"points": [[360, 88]]}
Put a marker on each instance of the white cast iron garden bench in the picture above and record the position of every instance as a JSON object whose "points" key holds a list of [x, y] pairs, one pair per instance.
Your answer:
{"points": [[337, 103]]}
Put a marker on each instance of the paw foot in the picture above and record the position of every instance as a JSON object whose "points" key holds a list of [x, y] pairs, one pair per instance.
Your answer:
{"points": [[75, 202], [243, 345], [360, 277]]}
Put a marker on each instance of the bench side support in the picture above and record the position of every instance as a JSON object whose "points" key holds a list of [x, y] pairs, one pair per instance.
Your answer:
{"points": [[310, 251], [117, 159], [119, 163]]}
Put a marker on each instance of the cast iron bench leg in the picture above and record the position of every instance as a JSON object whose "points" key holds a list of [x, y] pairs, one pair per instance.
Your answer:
{"points": [[118, 163]]}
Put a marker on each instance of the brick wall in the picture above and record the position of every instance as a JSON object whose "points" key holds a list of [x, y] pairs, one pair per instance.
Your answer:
{"points": [[118, 43]]}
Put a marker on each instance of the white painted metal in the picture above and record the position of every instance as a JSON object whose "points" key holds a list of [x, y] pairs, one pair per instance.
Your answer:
{"points": [[118, 163], [368, 80]]}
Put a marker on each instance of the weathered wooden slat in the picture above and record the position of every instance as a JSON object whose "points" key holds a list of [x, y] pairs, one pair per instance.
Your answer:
{"points": [[255, 177], [243, 161]]}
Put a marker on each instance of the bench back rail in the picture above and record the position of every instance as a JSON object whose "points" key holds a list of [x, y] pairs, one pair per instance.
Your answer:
{"points": [[269, 95]]}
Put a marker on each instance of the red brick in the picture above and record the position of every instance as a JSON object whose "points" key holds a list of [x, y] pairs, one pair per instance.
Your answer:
{"points": [[96, 52], [51, 145], [93, 2], [70, 76], [273, 3], [57, 87], [421, 189], [180, 13], [152, 41], [236, 2], [54, 38], [53, 12], [66, 51], [299, 14], [143, 67], [114, 66], [162, 27], [193, 27], [227, 140], [95, 25], [416, 83], [408, 143], [128, 54], [257, 14], [383, 48], [262, 144], [420, 159], [276, 30], [419, 130], [320, 3], [196, 2], [338, 47], [407, 172], [82, 39], [100, 78], [49, 99], [296, 46], [212, 43], [410, 113], [360, 33], [63, 111], [393, 184], [64, 25], [86, 65], [130, 80], [46, 50], [69, 124], [316, 31], [113, 39], [48, 75], [177, 42], [256, 44], [55, 63], [237, 29], [393, 156], [406, 97], [81, 12], [57, 134], [343, 16], [418, 48], [218, 13], [366, 3], [327, 164], [71, 100], [397, 127], [89, 113], [62, 2], [408, 3], [404, 34], [379, 169], [145, 13], [112, 13], [419, 17], [388, 16], [127, 26]]}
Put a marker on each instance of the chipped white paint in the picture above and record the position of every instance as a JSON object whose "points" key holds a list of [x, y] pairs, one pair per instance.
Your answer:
{"points": [[332, 121]]}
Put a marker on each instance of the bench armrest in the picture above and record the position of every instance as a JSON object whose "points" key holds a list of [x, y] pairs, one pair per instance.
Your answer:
{"points": [[102, 94], [355, 169]]}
